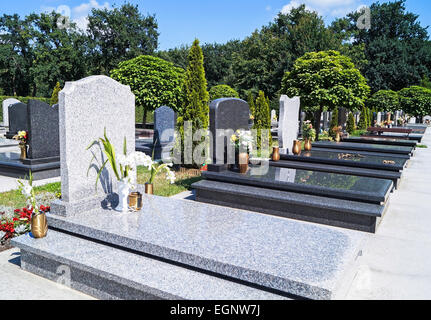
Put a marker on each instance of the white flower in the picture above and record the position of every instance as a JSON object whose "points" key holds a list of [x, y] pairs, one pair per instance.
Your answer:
{"points": [[170, 175], [26, 190], [2, 234], [143, 159], [20, 229]]}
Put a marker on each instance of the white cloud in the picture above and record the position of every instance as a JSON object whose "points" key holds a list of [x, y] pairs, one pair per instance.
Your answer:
{"points": [[326, 8]]}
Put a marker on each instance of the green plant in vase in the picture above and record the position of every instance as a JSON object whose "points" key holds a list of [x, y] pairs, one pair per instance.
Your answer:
{"points": [[309, 134]]}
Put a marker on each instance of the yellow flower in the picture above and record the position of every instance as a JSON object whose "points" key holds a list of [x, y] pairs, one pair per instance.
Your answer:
{"points": [[233, 138]]}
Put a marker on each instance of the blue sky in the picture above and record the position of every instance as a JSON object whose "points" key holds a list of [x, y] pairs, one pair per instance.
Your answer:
{"points": [[180, 21]]}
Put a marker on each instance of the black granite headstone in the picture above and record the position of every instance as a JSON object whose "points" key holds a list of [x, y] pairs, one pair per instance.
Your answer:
{"points": [[43, 128], [18, 119], [164, 126], [225, 114]]}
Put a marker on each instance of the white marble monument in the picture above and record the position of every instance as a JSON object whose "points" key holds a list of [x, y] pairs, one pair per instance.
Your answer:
{"points": [[288, 124], [5, 106]]}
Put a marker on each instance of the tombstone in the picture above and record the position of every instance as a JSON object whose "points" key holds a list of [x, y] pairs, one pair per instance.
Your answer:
{"points": [[5, 105], [87, 107], [397, 116], [18, 120], [412, 120], [301, 121], [288, 126], [225, 114], [325, 120], [379, 117], [164, 132], [274, 121], [43, 130], [427, 119], [342, 117]]}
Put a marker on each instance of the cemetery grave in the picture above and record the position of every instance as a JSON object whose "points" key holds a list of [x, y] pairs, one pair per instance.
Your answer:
{"points": [[384, 141], [390, 149]]}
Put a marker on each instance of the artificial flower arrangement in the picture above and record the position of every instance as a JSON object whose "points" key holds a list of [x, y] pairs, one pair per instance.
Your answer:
{"points": [[308, 132], [242, 140], [22, 137]]}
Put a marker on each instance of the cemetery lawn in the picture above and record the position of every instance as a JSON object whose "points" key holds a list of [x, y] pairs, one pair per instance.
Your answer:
{"points": [[162, 187]]}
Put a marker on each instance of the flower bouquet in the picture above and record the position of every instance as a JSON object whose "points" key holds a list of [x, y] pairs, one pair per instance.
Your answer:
{"points": [[242, 140], [22, 137]]}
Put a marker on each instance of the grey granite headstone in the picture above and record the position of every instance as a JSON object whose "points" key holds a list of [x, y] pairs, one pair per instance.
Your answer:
{"points": [[288, 126], [342, 118], [325, 120], [379, 117], [5, 107], [164, 126], [301, 121], [87, 108], [226, 114], [18, 119], [43, 130]]}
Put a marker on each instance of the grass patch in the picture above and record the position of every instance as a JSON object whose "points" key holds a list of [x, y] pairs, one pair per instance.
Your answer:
{"points": [[358, 133], [422, 146], [15, 199]]}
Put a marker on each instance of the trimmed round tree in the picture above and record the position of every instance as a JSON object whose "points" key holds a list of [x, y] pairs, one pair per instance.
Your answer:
{"points": [[384, 100], [154, 82], [222, 91], [195, 108], [325, 80], [415, 101]]}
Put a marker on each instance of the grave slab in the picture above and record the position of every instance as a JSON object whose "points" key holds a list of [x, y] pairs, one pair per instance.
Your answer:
{"points": [[364, 147], [383, 141]]}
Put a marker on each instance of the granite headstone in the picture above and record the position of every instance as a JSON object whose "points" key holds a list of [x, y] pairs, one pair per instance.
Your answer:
{"points": [[225, 114], [342, 117], [288, 124], [5, 107], [18, 119], [379, 117], [164, 132], [88, 107], [43, 130]]}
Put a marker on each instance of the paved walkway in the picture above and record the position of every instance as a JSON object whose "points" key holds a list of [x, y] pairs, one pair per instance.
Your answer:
{"points": [[396, 261]]}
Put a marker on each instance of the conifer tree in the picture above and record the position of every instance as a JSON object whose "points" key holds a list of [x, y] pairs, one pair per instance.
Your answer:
{"points": [[251, 103], [334, 123], [350, 127], [54, 97], [196, 98], [262, 118], [363, 122]]}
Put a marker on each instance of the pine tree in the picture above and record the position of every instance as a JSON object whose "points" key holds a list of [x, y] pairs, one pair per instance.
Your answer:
{"points": [[363, 122], [262, 118], [351, 123], [54, 97], [196, 98], [334, 123]]}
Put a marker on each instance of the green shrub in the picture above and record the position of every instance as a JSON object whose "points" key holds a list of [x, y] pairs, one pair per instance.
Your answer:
{"points": [[54, 97], [351, 127], [363, 120], [222, 91], [262, 118], [334, 123], [22, 99]]}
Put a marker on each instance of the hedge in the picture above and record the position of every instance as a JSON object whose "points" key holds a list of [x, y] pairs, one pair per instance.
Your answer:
{"points": [[22, 99]]}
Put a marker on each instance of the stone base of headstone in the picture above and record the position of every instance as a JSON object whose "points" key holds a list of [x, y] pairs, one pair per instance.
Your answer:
{"points": [[10, 135], [68, 209], [217, 167]]}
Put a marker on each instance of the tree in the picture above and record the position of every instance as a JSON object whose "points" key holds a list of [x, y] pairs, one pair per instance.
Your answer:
{"points": [[325, 80], [416, 101], [120, 34], [350, 127], [334, 123], [196, 98], [426, 83], [154, 82], [396, 46], [262, 119], [384, 100], [54, 97], [222, 91], [250, 100], [363, 122]]}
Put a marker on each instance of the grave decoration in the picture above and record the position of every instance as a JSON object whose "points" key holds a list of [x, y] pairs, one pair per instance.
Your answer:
{"points": [[22, 137]]}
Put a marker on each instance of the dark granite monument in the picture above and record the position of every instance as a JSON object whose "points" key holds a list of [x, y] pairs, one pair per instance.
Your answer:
{"points": [[225, 114], [164, 128], [18, 119]]}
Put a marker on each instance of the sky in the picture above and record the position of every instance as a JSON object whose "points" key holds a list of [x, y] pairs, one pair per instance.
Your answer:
{"points": [[181, 21]]}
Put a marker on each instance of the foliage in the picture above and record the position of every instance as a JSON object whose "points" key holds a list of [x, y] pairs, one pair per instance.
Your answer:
{"points": [[351, 126], [307, 131], [384, 100], [426, 83], [334, 123], [325, 80], [196, 98], [415, 101], [222, 91], [54, 97], [251, 104], [120, 34], [154, 82], [363, 122], [262, 120]]}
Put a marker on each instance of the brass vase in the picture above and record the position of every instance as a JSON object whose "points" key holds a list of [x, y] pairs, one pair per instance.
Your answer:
{"points": [[39, 225], [149, 188], [243, 160], [23, 148], [296, 147], [307, 145], [135, 201], [338, 137], [276, 154]]}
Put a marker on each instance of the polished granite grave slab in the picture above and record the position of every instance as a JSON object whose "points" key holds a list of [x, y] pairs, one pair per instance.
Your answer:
{"points": [[345, 158], [293, 257], [332, 185], [347, 170], [105, 272], [364, 153], [5, 143], [383, 141], [413, 137], [364, 147], [12, 166]]}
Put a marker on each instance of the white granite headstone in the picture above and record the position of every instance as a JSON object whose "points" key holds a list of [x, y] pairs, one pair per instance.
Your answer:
{"points": [[288, 124], [379, 117], [427, 119], [5, 105], [87, 107], [412, 120]]}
